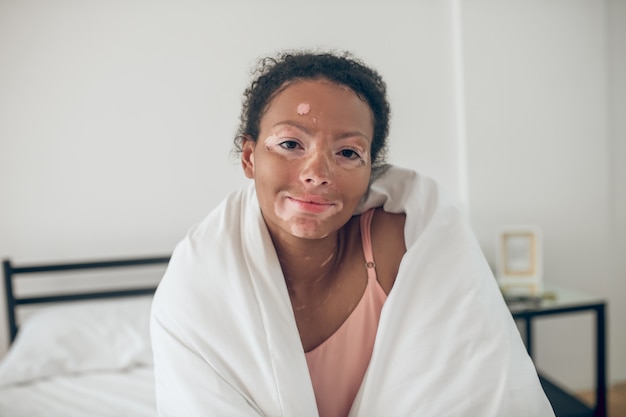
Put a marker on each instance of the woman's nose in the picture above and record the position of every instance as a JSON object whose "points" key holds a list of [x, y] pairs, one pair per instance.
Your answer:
{"points": [[317, 169]]}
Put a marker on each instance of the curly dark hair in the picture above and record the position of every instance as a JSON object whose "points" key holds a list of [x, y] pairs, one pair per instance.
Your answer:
{"points": [[273, 73]]}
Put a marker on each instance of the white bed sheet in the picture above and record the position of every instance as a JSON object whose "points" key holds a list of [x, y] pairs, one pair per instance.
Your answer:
{"points": [[82, 359], [128, 393]]}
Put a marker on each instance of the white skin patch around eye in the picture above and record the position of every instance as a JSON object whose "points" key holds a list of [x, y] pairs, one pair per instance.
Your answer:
{"points": [[270, 141], [303, 108]]}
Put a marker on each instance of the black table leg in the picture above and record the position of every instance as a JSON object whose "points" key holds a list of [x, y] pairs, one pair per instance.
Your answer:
{"points": [[600, 409], [529, 336]]}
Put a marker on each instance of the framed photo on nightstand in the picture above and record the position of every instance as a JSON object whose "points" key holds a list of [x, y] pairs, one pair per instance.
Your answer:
{"points": [[519, 260]]}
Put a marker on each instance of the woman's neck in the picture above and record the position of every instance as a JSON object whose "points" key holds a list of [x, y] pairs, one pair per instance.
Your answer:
{"points": [[309, 264]]}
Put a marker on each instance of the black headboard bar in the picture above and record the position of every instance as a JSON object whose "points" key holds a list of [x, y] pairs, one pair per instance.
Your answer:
{"points": [[88, 265], [10, 297], [14, 301], [85, 296]]}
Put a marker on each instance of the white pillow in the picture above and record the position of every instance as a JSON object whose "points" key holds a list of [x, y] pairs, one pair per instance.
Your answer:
{"points": [[80, 337]]}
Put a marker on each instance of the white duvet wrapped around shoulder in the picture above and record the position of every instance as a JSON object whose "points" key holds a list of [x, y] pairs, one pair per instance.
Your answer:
{"points": [[226, 343]]}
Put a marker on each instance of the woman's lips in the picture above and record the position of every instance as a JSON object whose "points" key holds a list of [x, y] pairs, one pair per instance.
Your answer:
{"points": [[310, 204]]}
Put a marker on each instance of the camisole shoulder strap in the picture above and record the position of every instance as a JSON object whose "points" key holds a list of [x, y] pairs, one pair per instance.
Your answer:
{"points": [[366, 240]]}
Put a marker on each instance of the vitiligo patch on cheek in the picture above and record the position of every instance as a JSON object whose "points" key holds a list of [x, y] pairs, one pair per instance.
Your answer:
{"points": [[303, 108]]}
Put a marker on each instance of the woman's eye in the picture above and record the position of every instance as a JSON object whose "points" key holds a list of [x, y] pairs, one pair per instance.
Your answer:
{"points": [[349, 153], [289, 144]]}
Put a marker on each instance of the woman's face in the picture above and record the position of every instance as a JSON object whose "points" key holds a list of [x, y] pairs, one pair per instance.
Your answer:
{"points": [[311, 162]]}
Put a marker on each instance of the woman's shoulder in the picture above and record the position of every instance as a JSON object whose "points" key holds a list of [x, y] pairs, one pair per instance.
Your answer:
{"points": [[387, 219], [388, 227], [388, 244]]}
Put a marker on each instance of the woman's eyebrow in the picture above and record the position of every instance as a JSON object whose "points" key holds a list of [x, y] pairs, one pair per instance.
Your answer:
{"points": [[292, 124], [303, 128], [353, 133]]}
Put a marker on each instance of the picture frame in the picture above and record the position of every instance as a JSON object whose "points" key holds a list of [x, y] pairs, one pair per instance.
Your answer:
{"points": [[519, 260]]}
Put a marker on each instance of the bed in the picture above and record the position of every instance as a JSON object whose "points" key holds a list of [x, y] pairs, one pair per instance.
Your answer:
{"points": [[84, 351]]}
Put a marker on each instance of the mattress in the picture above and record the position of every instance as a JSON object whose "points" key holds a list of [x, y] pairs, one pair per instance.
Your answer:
{"points": [[87, 359], [128, 393]]}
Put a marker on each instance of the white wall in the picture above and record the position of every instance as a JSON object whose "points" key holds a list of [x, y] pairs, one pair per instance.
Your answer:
{"points": [[117, 118], [116, 122], [616, 19], [540, 150]]}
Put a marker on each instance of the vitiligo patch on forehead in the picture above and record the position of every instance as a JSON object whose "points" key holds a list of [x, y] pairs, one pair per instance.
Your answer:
{"points": [[303, 108]]}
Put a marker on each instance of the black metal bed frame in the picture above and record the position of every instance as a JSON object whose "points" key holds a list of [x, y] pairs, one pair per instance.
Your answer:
{"points": [[14, 301]]}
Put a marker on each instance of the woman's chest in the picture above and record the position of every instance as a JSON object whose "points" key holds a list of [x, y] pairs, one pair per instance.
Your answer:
{"points": [[321, 313]]}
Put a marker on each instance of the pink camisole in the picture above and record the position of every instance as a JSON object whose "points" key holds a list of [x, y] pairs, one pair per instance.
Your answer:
{"points": [[338, 365]]}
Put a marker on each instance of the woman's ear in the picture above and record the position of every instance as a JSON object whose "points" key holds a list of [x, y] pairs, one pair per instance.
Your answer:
{"points": [[247, 156]]}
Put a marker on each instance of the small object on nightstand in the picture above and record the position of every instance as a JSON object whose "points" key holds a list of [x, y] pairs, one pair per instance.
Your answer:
{"points": [[519, 268]]}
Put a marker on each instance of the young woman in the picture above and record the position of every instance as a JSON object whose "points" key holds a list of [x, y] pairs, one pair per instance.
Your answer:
{"points": [[334, 285]]}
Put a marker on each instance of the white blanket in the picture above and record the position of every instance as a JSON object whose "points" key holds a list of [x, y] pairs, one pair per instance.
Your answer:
{"points": [[226, 344]]}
